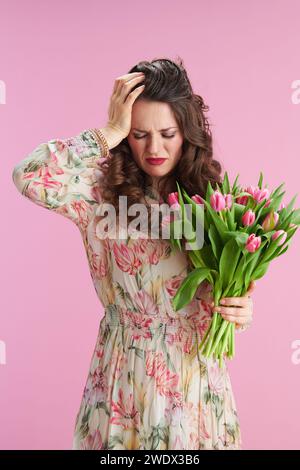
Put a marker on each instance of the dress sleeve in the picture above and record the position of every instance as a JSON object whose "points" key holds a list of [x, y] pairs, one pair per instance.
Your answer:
{"points": [[62, 175]]}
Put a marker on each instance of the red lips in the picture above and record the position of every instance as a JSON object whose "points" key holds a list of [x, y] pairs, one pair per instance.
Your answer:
{"points": [[155, 161]]}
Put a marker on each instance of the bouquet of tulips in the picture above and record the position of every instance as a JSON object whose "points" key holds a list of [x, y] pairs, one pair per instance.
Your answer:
{"points": [[243, 230]]}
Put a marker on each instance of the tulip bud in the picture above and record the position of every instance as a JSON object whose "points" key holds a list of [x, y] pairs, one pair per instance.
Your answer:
{"points": [[248, 218], [228, 201], [173, 200], [242, 200], [217, 201], [270, 221], [198, 199], [277, 234], [252, 243]]}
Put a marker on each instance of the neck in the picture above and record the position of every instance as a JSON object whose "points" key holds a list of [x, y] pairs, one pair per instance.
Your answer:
{"points": [[153, 182]]}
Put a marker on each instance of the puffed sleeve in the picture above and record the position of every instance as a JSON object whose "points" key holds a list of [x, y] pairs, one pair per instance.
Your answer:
{"points": [[63, 175]]}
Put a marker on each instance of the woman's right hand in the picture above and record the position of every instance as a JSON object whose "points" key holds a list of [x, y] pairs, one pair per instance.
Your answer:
{"points": [[121, 102]]}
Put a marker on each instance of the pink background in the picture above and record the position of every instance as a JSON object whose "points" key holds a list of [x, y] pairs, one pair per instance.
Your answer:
{"points": [[59, 61]]}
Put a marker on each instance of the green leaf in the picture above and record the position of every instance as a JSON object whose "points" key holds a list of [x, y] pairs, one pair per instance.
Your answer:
{"points": [[260, 182], [187, 289], [226, 184], [235, 183], [218, 222], [208, 257], [176, 228], [296, 217], [216, 242], [260, 271], [273, 246], [240, 237], [228, 262], [291, 204], [239, 273], [239, 210], [209, 191], [230, 218]]}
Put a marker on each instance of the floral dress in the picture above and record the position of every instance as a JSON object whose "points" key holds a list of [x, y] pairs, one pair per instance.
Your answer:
{"points": [[148, 387]]}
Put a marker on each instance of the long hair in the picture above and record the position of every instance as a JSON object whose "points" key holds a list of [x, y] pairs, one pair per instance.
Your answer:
{"points": [[165, 81]]}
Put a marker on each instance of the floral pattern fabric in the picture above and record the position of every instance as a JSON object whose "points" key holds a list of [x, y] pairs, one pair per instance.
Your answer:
{"points": [[148, 387]]}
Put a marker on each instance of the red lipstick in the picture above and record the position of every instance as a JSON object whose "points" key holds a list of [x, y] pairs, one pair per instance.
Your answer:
{"points": [[155, 161]]}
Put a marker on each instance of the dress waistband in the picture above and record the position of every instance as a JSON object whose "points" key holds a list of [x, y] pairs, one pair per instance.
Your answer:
{"points": [[116, 317]]}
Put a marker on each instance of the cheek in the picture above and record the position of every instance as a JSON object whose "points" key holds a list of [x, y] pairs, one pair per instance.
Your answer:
{"points": [[176, 150], [136, 148]]}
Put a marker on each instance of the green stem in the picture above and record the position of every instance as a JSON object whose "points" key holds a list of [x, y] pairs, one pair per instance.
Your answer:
{"points": [[226, 337], [212, 334], [219, 335]]}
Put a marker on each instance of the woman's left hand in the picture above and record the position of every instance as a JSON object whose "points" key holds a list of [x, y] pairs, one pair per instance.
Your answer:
{"points": [[238, 310]]}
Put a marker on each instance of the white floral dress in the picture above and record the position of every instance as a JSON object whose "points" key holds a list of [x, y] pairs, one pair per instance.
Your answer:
{"points": [[148, 387]]}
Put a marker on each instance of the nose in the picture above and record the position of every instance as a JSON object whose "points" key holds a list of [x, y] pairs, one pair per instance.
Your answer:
{"points": [[153, 145]]}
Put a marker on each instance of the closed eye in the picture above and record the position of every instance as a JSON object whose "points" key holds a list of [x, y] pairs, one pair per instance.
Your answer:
{"points": [[165, 136]]}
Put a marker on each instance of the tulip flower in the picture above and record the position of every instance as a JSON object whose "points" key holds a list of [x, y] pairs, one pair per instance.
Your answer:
{"points": [[198, 199], [217, 201], [173, 200], [270, 221], [257, 193], [248, 218], [253, 243], [277, 234], [242, 200], [228, 201]]}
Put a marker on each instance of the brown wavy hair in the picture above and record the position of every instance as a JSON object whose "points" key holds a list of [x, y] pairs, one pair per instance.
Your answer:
{"points": [[165, 81]]}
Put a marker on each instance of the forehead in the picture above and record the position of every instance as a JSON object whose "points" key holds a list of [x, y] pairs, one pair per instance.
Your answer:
{"points": [[148, 115]]}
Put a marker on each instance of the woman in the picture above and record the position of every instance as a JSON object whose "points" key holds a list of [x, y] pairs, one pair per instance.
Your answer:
{"points": [[148, 386]]}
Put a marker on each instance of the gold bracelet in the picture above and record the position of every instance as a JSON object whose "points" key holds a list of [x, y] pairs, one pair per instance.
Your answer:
{"points": [[98, 142], [102, 140]]}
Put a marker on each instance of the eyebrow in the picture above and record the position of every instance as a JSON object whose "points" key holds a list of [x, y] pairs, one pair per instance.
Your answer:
{"points": [[161, 130]]}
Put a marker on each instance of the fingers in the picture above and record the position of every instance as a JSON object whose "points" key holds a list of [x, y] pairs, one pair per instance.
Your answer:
{"points": [[232, 312], [126, 82], [235, 301], [133, 95], [239, 318]]}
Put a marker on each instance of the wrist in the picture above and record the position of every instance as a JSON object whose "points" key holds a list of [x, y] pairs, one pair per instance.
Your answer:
{"points": [[112, 136]]}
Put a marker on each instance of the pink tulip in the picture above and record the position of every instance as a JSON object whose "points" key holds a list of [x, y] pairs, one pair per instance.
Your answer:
{"points": [[248, 218], [270, 221], [263, 194], [281, 206], [257, 193], [173, 200], [228, 201], [277, 234], [217, 201], [253, 243], [198, 199], [242, 200]]}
